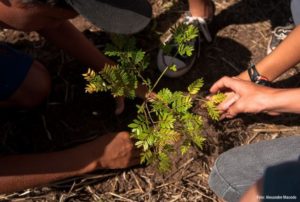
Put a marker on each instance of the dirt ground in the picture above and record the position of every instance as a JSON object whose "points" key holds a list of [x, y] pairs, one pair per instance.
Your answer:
{"points": [[242, 29]]}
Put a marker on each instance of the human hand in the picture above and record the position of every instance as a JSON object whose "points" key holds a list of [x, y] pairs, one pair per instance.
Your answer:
{"points": [[120, 105], [141, 92], [113, 151], [243, 97]]}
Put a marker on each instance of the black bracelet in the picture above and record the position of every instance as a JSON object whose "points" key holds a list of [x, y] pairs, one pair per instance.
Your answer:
{"points": [[255, 77]]}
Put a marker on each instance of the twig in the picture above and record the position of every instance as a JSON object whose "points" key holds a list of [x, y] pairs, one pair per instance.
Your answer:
{"points": [[252, 138], [275, 130], [137, 182], [147, 179], [182, 166], [121, 197], [204, 195]]}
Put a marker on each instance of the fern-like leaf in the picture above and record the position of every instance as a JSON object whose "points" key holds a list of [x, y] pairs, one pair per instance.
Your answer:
{"points": [[212, 103], [194, 87]]}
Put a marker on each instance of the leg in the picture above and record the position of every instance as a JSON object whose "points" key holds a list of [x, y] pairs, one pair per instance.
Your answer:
{"points": [[24, 83], [202, 12], [201, 8], [237, 169]]}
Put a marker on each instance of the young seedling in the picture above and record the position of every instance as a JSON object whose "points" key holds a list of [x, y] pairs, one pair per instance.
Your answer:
{"points": [[164, 122]]}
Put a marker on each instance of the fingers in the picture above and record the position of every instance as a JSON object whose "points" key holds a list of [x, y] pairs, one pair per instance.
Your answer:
{"points": [[228, 102], [227, 116], [230, 113], [120, 105], [151, 96], [224, 83], [227, 108]]}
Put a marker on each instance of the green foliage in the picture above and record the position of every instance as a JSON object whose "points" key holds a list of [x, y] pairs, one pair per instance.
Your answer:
{"points": [[173, 68], [121, 79], [164, 125], [128, 55], [195, 87], [212, 103], [165, 122], [182, 35]]}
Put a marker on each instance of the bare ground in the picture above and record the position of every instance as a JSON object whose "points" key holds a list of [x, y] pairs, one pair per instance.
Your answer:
{"points": [[242, 30]]}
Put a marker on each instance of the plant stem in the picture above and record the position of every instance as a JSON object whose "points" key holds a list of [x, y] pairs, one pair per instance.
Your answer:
{"points": [[159, 78]]}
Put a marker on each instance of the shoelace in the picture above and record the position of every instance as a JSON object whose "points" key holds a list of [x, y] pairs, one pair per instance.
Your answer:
{"points": [[281, 33]]}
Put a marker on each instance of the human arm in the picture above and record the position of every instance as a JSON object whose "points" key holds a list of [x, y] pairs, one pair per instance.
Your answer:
{"points": [[252, 98], [110, 151], [71, 40], [67, 37], [285, 56]]}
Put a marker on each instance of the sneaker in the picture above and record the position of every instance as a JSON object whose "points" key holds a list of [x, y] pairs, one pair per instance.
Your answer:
{"points": [[278, 35], [184, 64]]}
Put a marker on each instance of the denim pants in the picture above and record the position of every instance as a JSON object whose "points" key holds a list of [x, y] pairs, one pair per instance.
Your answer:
{"points": [[295, 9], [239, 168]]}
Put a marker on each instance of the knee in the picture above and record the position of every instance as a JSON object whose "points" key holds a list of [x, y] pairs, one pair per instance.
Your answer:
{"points": [[216, 181], [220, 177], [35, 88]]}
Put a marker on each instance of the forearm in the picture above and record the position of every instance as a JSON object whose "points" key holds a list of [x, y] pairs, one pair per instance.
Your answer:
{"points": [[285, 56], [71, 40], [18, 172], [110, 151], [284, 100]]}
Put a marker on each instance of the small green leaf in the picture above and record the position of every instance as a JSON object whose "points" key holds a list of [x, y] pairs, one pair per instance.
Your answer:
{"points": [[194, 87], [173, 68]]}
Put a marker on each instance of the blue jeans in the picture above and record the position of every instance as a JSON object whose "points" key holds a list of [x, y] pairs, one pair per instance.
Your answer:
{"points": [[239, 168], [295, 9]]}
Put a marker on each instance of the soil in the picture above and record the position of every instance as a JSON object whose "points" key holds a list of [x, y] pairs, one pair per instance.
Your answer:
{"points": [[241, 30]]}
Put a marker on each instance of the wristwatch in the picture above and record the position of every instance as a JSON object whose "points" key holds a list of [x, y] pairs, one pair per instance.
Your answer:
{"points": [[255, 77]]}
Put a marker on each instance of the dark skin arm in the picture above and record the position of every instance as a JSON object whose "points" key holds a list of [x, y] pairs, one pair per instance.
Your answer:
{"points": [[53, 24], [18, 172], [68, 38]]}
